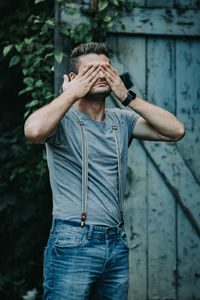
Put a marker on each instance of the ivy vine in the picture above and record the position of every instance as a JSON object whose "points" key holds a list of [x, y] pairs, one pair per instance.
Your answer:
{"points": [[36, 51], [101, 18]]}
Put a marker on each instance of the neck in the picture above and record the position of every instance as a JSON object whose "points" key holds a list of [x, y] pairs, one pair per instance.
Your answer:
{"points": [[95, 109]]}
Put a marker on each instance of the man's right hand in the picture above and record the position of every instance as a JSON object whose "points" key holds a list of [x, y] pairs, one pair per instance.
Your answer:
{"points": [[82, 83], [42, 123]]}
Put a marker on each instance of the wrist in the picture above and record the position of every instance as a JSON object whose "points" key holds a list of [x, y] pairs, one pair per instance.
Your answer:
{"points": [[69, 96], [130, 96]]}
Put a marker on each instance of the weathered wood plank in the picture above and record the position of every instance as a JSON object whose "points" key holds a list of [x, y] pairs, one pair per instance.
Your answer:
{"points": [[161, 237], [172, 166], [160, 3], [60, 43], [136, 222], [128, 56], [187, 3], [188, 110], [161, 73], [188, 101], [188, 258], [148, 21], [162, 22], [161, 204]]}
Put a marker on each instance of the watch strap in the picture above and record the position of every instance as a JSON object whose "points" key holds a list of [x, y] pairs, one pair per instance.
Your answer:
{"points": [[130, 96]]}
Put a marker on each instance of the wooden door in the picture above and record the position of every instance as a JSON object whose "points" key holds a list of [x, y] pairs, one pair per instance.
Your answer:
{"points": [[160, 49]]}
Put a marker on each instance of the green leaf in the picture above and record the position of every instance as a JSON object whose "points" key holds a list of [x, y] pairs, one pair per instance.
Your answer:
{"points": [[109, 25], [48, 96], [24, 71], [59, 57], [50, 22], [88, 38], [22, 92], [18, 47], [102, 5], [72, 10], [107, 19], [45, 29], [7, 49], [14, 61], [36, 21], [123, 26], [16, 172], [38, 1], [64, 31], [28, 41], [49, 55], [33, 103], [115, 2], [29, 81], [39, 83], [129, 6]]}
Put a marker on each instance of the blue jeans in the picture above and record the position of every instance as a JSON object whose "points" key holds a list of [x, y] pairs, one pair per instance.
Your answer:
{"points": [[89, 262]]}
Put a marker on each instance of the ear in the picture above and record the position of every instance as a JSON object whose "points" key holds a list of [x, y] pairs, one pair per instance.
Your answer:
{"points": [[72, 75]]}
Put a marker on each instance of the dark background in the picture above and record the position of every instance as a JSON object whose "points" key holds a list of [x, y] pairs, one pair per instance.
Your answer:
{"points": [[25, 202]]}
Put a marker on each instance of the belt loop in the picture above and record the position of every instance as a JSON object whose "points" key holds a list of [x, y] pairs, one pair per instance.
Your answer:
{"points": [[53, 225], [118, 232], [90, 232]]}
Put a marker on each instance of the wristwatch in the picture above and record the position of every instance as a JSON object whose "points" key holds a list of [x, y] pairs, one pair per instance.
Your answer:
{"points": [[130, 96]]}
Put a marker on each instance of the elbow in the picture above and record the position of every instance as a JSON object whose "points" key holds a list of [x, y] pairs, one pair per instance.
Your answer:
{"points": [[32, 134], [180, 133]]}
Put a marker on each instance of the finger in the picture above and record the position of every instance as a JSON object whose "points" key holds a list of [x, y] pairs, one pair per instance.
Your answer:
{"points": [[95, 78], [84, 70], [109, 73], [94, 69], [113, 69], [66, 78], [109, 76], [110, 69], [93, 74]]}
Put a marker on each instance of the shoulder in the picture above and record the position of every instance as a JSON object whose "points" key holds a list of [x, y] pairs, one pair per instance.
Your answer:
{"points": [[123, 114]]}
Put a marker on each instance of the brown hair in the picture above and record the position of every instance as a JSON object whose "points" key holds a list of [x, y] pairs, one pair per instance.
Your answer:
{"points": [[83, 49]]}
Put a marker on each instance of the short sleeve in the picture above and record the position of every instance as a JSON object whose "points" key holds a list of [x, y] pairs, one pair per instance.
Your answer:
{"points": [[131, 118], [56, 139]]}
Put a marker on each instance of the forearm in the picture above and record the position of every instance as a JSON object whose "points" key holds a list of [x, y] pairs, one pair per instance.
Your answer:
{"points": [[161, 120], [156, 123], [41, 124]]}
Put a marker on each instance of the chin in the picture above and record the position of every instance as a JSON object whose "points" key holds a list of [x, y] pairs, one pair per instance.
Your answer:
{"points": [[104, 92]]}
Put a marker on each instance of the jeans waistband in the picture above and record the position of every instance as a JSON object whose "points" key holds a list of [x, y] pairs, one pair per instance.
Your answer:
{"points": [[89, 229]]}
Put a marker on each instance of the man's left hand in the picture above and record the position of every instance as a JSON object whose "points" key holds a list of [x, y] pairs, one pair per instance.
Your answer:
{"points": [[116, 84]]}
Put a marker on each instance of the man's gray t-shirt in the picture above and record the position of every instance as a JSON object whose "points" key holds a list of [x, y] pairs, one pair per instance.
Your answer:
{"points": [[64, 157]]}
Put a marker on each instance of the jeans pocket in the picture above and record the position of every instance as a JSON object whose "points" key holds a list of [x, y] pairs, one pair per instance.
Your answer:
{"points": [[124, 239], [69, 239]]}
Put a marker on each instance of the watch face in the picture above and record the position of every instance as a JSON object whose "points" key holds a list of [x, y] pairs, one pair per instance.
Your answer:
{"points": [[132, 94]]}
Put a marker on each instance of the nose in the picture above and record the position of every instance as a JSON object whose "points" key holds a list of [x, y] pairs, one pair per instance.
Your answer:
{"points": [[101, 74]]}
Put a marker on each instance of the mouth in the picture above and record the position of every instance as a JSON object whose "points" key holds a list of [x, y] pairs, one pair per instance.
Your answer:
{"points": [[104, 83]]}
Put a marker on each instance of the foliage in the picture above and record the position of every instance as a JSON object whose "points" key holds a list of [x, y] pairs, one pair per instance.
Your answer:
{"points": [[35, 54], [102, 19], [35, 51], [25, 215], [25, 206]]}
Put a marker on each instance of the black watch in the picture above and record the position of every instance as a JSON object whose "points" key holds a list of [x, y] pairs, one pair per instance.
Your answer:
{"points": [[130, 96]]}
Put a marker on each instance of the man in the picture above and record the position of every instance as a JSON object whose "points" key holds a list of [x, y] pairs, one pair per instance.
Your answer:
{"points": [[87, 252]]}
